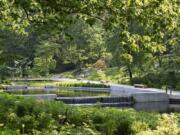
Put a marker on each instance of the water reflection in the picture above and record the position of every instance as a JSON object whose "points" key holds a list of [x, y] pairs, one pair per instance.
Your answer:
{"points": [[162, 107], [152, 106]]}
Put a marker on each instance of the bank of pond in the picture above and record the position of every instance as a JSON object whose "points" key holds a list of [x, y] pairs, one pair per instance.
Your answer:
{"points": [[90, 98], [59, 83], [80, 93], [19, 115], [59, 92]]}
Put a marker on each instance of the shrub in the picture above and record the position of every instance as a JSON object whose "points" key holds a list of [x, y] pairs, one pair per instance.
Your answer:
{"points": [[138, 126], [28, 123], [43, 65], [71, 129], [53, 118], [100, 64], [167, 125], [79, 84], [123, 125], [5, 82], [69, 76], [9, 132], [151, 80]]}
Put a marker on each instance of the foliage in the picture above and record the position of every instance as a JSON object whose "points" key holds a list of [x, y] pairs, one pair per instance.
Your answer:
{"points": [[43, 65], [138, 126], [69, 76], [141, 37], [4, 72], [64, 84], [31, 116], [114, 74], [9, 132], [151, 80], [158, 80], [79, 84], [167, 125], [100, 64], [61, 93]]}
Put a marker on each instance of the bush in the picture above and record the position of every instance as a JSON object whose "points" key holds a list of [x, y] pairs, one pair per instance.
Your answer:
{"points": [[100, 64], [151, 80], [9, 132], [158, 80], [5, 72], [53, 118], [43, 65], [5, 82], [69, 76], [79, 84], [167, 125], [138, 126]]}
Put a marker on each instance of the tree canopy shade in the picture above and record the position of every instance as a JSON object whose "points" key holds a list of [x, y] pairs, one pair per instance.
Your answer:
{"points": [[141, 35], [108, 11]]}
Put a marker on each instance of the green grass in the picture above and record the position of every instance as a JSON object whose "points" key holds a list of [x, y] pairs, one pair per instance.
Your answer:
{"points": [[64, 84], [80, 84], [67, 75], [36, 83], [61, 93]]}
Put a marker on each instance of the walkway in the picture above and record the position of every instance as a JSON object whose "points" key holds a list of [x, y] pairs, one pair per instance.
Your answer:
{"points": [[177, 93]]}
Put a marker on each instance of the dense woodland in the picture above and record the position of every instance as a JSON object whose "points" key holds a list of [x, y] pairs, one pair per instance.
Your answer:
{"points": [[142, 37]]}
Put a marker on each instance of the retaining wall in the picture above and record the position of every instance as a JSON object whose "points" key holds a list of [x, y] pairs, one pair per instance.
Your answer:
{"points": [[42, 96], [139, 94]]}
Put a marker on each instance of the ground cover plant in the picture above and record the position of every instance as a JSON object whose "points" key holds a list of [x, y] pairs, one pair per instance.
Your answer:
{"points": [[61, 93], [63, 84], [27, 116], [80, 84]]}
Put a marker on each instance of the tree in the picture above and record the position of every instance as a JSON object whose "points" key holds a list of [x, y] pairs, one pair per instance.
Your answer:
{"points": [[139, 34]]}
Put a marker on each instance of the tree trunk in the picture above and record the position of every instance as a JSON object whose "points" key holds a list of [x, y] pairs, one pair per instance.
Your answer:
{"points": [[129, 72], [159, 61]]}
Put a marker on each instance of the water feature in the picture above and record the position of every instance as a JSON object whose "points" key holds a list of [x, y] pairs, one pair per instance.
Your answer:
{"points": [[94, 98], [59, 92]]}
